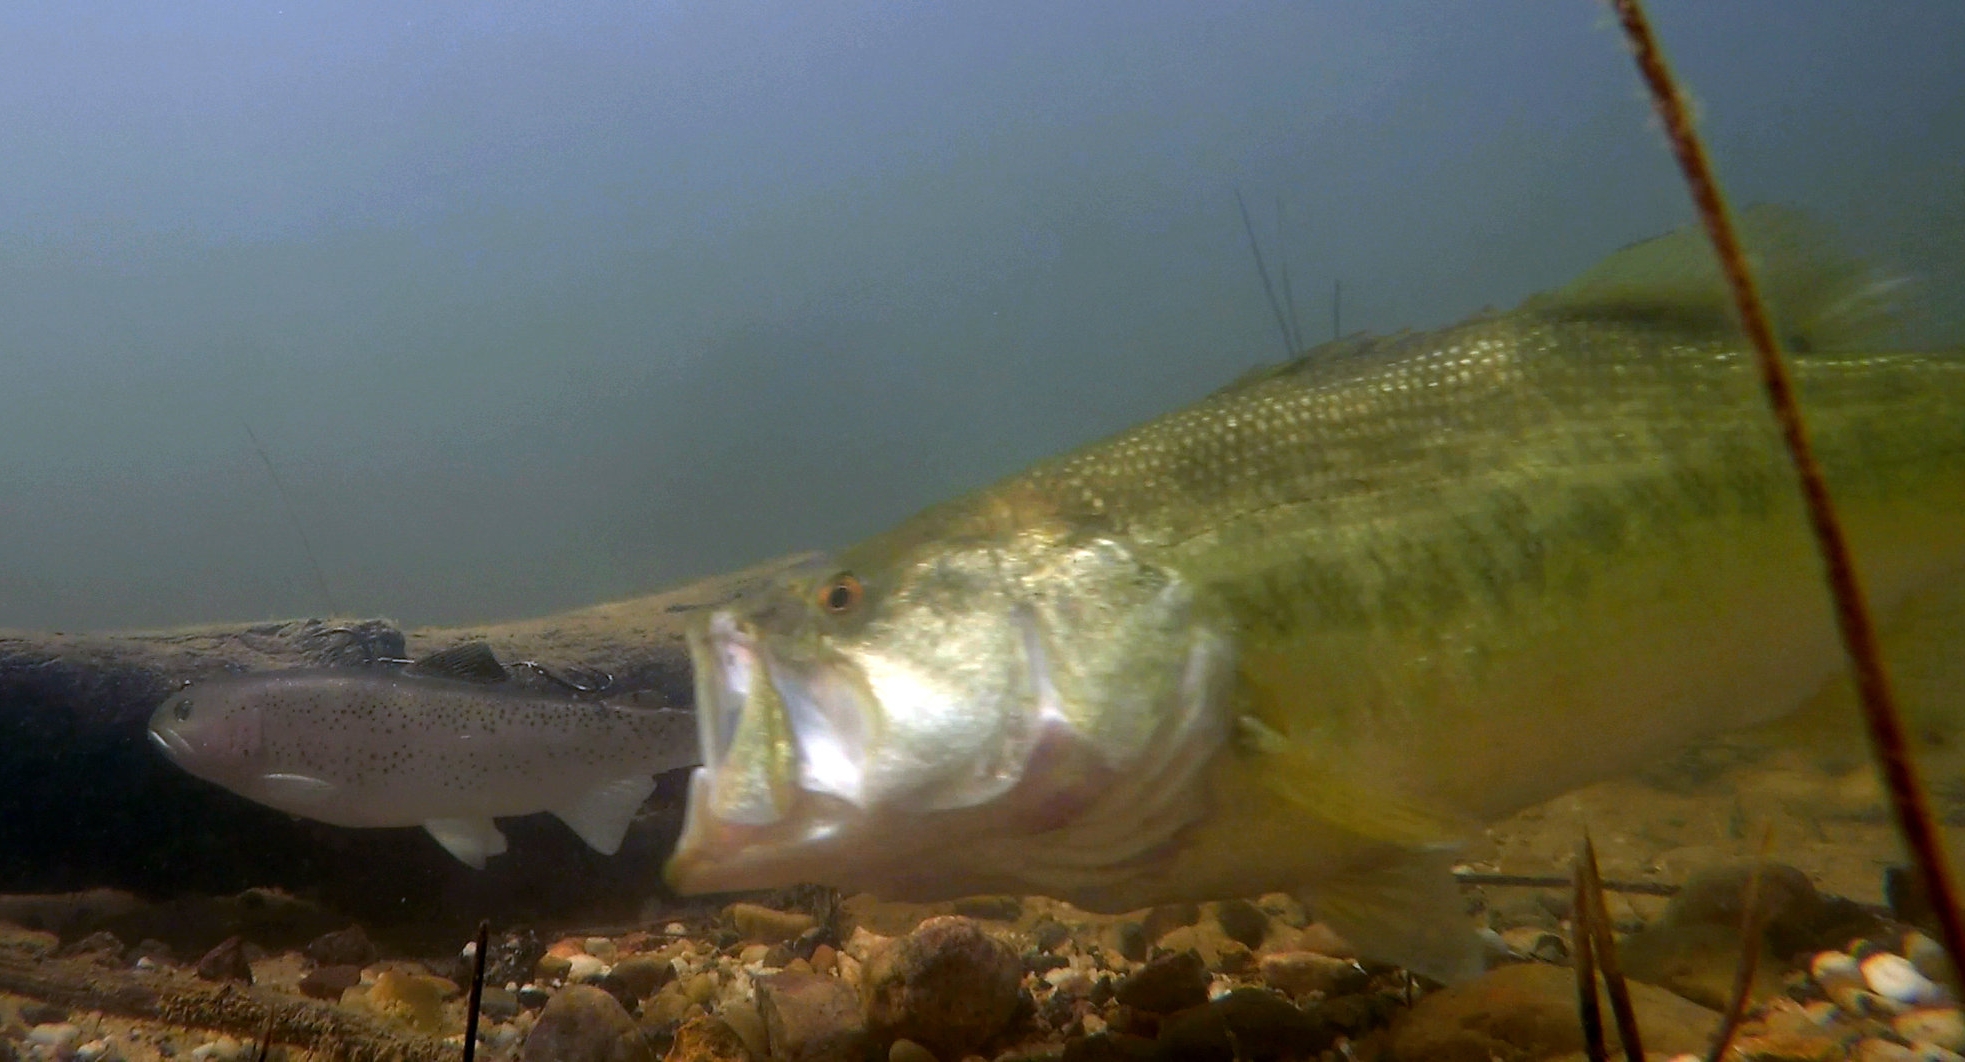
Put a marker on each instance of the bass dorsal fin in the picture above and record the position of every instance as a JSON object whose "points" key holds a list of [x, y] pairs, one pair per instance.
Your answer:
{"points": [[469, 662]]}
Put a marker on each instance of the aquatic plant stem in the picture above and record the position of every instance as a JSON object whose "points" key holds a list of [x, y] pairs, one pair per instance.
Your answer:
{"points": [[1582, 916], [472, 1009], [1888, 740], [1604, 941]]}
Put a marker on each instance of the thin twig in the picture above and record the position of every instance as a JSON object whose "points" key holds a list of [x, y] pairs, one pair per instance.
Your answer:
{"points": [[477, 991], [1588, 1011], [1604, 937], [1551, 881], [1743, 974], [293, 517], [1888, 740], [1268, 289]]}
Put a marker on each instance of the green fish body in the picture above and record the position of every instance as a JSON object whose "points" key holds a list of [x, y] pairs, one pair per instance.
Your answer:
{"points": [[1311, 631]]}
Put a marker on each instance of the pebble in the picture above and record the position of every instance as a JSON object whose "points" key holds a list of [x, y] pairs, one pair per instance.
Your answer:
{"points": [[328, 982], [1894, 978], [948, 985], [581, 969], [641, 975], [1251, 1023], [747, 1023], [1943, 1026], [226, 962], [551, 967], [704, 1039], [601, 948], [95, 1050], [62, 1035], [499, 1004], [223, 1049], [532, 996], [1928, 956], [1300, 973], [1242, 922], [1166, 984], [343, 947], [584, 1024], [906, 1050], [765, 925], [811, 1017]]}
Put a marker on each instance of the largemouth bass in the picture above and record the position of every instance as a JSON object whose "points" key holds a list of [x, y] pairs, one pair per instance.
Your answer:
{"points": [[1312, 631], [448, 744]]}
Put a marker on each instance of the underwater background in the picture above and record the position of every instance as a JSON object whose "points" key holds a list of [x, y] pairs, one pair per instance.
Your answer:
{"points": [[532, 306]]}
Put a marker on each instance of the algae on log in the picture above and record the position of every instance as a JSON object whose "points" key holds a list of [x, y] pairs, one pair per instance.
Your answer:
{"points": [[327, 1032], [86, 801]]}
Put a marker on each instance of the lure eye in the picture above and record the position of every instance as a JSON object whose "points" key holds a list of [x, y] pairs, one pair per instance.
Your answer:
{"points": [[182, 709], [842, 594]]}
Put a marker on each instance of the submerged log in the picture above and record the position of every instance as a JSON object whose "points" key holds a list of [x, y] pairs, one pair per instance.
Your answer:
{"points": [[87, 802], [327, 1032]]}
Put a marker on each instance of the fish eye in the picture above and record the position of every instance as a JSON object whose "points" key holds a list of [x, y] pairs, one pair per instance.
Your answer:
{"points": [[842, 593], [182, 709]]}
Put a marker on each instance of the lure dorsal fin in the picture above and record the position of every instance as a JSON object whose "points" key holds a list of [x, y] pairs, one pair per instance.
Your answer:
{"points": [[469, 662]]}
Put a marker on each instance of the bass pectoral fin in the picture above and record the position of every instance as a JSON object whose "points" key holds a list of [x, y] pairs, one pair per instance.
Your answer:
{"points": [[601, 815], [1405, 910], [471, 840]]}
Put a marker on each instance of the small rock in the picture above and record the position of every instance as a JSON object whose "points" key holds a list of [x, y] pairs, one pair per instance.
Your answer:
{"points": [[499, 1003], [811, 1018], [61, 1036], [584, 1024], [95, 1050], [328, 982], [745, 1021], [1699, 962], [1894, 978], [1528, 1011], [226, 962], [764, 925], [1131, 940], [701, 989], [601, 948], [1048, 933], [1534, 942], [824, 957], [1300, 973], [36, 1012], [1168, 917], [1322, 939], [1929, 957], [343, 947], [513, 959], [947, 985], [1942, 1026], [905, 1050], [551, 968], [702, 1039], [100, 945], [640, 975], [668, 1006], [990, 908], [1167, 984], [1792, 911], [1264, 1026], [1242, 922], [584, 969], [532, 997]]}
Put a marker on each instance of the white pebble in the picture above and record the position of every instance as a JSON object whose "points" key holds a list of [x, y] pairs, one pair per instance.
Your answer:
{"points": [[1893, 977], [675, 929], [1829, 967], [1942, 1026], [584, 968], [94, 1050], [54, 1034]]}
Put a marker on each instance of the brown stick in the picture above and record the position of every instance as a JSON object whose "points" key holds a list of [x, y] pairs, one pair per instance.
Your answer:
{"points": [[1581, 927], [1886, 729], [1604, 937], [175, 1000]]}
